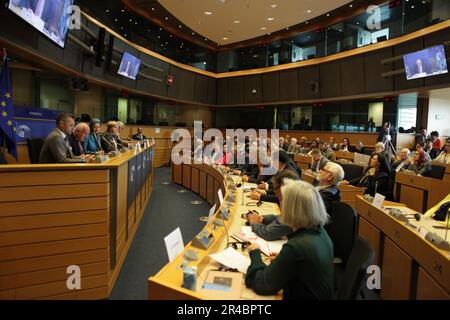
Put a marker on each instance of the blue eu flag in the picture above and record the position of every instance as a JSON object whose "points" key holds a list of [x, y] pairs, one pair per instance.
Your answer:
{"points": [[7, 123]]}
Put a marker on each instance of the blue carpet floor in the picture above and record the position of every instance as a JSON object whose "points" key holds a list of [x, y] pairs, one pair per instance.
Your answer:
{"points": [[167, 209]]}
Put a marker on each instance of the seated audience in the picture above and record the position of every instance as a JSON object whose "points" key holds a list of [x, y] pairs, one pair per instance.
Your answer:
{"points": [[92, 143], [294, 147], [269, 227], [329, 178], [304, 268], [401, 162], [78, 137], [375, 178], [56, 148], [434, 136], [326, 151], [318, 161], [110, 139], [421, 165], [420, 146], [283, 144], [444, 156], [139, 136], [345, 146], [333, 145]]}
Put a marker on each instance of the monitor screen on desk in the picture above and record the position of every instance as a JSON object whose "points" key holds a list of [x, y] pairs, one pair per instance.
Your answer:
{"points": [[129, 66], [425, 63], [50, 17]]}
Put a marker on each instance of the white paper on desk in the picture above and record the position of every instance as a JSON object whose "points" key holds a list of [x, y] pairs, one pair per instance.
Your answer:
{"points": [[268, 247], [248, 233], [211, 213], [378, 201], [174, 244], [247, 187], [231, 258], [220, 196]]}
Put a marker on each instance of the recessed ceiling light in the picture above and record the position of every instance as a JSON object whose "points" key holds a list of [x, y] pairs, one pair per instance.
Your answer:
{"points": [[273, 6], [224, 38], [135, 22], [125, 34], [351, 6], [270, 19], [193, 33], [287, 28], [263, 28], [412, 7], [236, 21], [206, 39], [153, 9], [107, 10], [308, 11], [123, 10], [115, 20], [179, 27], [167, 18], [208, 13], [307, 22], [328, 14], [160, 29]]}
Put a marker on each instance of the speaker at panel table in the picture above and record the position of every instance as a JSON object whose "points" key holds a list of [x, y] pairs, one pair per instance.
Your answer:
{"points": [[129, 66]]}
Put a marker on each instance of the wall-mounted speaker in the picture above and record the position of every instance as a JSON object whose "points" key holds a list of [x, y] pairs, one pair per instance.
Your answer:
{"points": [[314, 87], [100, 47], [109, 54]]}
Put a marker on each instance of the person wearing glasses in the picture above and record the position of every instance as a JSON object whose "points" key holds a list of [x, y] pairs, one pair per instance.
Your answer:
{"points": [[304, 267], [329, 178]]}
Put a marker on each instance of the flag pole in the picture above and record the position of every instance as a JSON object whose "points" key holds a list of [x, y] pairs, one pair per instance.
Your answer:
{"points": [[1, 131]]}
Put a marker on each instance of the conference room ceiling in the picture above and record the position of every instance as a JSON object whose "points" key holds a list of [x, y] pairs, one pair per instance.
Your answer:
{"points": [[229, 21]]}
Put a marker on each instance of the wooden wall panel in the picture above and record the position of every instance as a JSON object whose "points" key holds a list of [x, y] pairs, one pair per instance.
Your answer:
{"points": [[201, 88], [222, 91], [374, 82], [330, 79], [40, 178], [212, 91], [271, 86], [195, 178], [289, 85], [203, 185], [307, 76], [236, 90], [352, 75], [210, 190], [251, 83], [186, 176]]}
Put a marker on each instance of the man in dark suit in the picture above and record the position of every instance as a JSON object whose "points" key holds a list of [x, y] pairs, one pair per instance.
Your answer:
{"points": [[319, 161], [56, 148], [76, 139], [329, 177], [139, 136]]}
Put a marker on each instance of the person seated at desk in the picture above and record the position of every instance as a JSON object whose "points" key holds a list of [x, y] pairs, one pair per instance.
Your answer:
{"points": [[333, 145], [269, 227], [120, 128], [444, 156], [93, 144], [419, 164], [318, 161], [436, 143], [440, 212], [139, 136], [77, 138], [376, 177], [345, 146], [401, 162], [265, 190], [294, 147], [328, 179], [110, 140], [254, 175], [420, 146], [304, 268], [56, 148], [314, 145], [283, 144], [326, 151]]}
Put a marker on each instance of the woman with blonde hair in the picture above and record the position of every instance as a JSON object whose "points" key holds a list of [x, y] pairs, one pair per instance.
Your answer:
{"points": [[304, 268]]}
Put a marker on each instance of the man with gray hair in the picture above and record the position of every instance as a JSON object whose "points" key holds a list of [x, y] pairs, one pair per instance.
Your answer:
{"points": [[76, 139], [329, 178], [401, 160]]}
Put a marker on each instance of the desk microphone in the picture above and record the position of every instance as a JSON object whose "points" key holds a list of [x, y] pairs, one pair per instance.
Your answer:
{"points": [[221, 223]]}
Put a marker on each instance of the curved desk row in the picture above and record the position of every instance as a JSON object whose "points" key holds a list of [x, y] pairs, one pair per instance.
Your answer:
{"points": [[411, 267], [206, 181], [54, 216]]}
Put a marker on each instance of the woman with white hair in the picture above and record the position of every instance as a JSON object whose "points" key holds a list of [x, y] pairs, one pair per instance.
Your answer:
{"points": [[304, 268]]}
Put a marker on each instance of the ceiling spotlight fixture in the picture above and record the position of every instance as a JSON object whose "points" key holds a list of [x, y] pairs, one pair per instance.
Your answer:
{"points": [[107, 10], [308, 11], [273, 6], [167, 18], [224, 38], [351, 6], [153, 9], [270, 19], [287, 28], [328, 14], [263, 28], [208, 13], [307, 22], [193, 33], [236, 21]]}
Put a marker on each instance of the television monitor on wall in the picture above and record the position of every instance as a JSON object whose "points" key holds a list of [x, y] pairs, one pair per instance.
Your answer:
{"points": [[425, 63], [50, 17], [129, 66]]}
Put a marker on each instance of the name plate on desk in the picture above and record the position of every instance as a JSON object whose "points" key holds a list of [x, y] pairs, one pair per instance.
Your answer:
{"points": [[378, 201]]}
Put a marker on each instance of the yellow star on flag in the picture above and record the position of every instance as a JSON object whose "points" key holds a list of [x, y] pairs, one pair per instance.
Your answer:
{"points": [[3, 104], [15, 129], [7, 95], [4, 114], [10, 123]]}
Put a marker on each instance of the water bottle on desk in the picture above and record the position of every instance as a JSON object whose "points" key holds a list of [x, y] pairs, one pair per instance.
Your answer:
{"points": [[190, 278]]}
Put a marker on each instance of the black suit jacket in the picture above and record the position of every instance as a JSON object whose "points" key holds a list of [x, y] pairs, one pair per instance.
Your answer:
{"points": [[139, 137], [330, 194], [73, 142]]}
